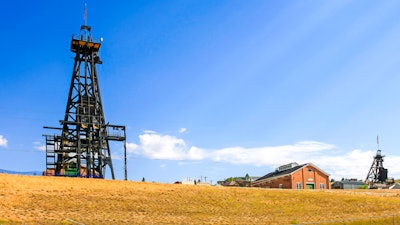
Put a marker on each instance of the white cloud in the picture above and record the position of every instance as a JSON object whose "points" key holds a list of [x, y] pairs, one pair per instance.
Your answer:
{"points": [[3, 141], [270, 155], [351, 164], [132, 148], [196, 153], [156, 146], [116, 156], [39, 146], [149, 132], [182, 130]]}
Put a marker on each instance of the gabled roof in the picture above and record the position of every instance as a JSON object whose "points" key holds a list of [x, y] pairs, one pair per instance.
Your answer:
{"points": [[281, 173], [288, 171]]}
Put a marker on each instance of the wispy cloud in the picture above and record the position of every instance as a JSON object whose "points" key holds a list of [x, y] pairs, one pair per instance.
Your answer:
{"points": [[158, 146], [270, 155], [182, 130], [39, 146], [117, 156], [351, 164], [149, 132], [3, 141]]}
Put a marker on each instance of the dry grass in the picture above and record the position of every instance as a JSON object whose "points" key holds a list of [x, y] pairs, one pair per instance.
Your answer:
{"points": [[59, 200]]}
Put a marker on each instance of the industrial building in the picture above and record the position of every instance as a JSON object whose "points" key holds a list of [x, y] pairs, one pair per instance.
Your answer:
{"points": [[348, 184], [295, 176]]}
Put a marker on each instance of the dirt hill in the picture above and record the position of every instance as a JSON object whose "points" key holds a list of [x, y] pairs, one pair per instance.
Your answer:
{"points": [[60, 200]]}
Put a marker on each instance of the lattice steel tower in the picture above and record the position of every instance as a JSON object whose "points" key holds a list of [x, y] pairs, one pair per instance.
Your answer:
{"points": [[82, 148], [377, 173]]}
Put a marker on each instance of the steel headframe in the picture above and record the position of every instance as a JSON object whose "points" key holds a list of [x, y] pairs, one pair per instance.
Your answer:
{"points": [[377, 173], [82, 149]]}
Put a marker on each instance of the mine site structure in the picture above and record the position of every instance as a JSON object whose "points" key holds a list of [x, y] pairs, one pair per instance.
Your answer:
{"points": [[81, 146], [377, 174]]}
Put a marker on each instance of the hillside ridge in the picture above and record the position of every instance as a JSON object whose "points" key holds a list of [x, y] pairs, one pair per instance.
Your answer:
{"points": [[55, 200]]}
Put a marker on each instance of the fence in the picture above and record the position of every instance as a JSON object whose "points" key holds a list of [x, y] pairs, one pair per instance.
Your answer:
{"points": [[372, 220]]}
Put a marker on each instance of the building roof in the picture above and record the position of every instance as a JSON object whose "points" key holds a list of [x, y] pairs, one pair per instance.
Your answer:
{"points": [[353, 182], [395, 186], [278, 173]]}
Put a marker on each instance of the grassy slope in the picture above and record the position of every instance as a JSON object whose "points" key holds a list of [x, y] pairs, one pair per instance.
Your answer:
{"points": [[55, 200]]}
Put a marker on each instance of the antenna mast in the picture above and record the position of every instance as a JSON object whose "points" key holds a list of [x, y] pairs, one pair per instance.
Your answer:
{"points": [[377, 140], [85, 15]]}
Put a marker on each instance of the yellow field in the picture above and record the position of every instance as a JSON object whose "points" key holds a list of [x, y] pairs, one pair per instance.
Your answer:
{"points": [[59, 200]]}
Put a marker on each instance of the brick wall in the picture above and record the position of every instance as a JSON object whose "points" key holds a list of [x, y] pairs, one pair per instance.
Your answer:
{"points": [[306, 175], [311, 176]]}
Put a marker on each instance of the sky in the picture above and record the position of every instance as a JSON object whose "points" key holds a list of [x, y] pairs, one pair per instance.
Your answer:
{"points": [[212, 89]]}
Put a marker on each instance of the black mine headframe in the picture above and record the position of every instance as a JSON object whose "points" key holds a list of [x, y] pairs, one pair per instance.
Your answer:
{"points": [[81, 147], [377, 173]]}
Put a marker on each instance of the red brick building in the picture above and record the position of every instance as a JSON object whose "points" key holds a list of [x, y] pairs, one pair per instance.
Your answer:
{"points": [[295, 176]]}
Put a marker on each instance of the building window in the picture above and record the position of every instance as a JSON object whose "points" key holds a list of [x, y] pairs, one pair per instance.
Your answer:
{"points": [[309, 170], [298, 185], [280, 186], [321, 186]]}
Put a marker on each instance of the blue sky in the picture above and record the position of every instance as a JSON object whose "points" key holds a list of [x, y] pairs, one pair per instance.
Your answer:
{"points": [[212, 88]]}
